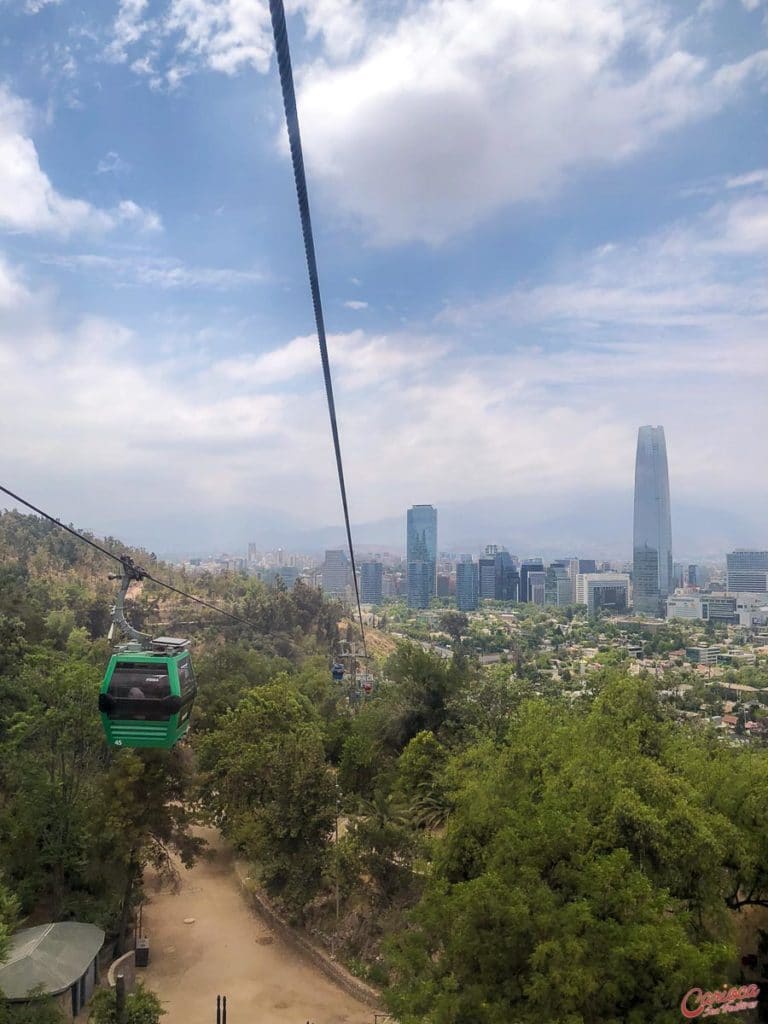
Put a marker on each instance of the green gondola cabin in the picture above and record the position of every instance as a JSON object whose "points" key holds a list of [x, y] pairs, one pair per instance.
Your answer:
{"points": [[147, 695]]}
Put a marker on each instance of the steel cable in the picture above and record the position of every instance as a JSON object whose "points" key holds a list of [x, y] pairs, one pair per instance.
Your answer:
{"points": [[122, 560], [283, 53]]}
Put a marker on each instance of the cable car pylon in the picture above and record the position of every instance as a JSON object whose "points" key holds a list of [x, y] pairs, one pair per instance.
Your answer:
{"points": [[360, 684]]}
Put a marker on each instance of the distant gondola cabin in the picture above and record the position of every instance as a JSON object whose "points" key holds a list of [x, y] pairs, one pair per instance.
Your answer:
{"points": [[147, 695]]}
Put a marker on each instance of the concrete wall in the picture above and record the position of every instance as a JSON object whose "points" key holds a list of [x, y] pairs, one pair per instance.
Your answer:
{"points": [[125, 965], [330, 967]]}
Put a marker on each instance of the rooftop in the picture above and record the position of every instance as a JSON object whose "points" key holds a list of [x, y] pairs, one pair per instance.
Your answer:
{"points": [[50, 957]]}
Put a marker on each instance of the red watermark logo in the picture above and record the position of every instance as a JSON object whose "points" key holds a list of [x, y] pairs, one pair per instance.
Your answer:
{"points": [[697, 1003]]}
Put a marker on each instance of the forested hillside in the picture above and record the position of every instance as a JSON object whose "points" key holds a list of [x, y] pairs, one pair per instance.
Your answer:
{"points": [[78, 821], [504, 853]]}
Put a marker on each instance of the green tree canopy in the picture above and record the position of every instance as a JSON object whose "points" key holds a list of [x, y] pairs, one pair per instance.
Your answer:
{"points": [[581, 877], [141, 1007], [264, 775]]}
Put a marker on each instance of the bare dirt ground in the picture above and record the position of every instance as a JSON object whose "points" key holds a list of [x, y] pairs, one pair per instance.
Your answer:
{"points": [[229, 950]]}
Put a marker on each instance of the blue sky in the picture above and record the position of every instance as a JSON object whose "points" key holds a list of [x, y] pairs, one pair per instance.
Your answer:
{"points": [[539, 224]]}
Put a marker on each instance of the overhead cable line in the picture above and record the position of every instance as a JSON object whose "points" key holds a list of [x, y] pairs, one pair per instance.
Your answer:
{"points": [[134, 571], [283, 53], [205, 604], [52, 519]]}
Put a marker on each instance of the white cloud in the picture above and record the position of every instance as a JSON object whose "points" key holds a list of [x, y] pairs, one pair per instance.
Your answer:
{"points": [[295, 359], [707, 273], [28, 200], [223, 35], [112, 163], [156, 271], [420, 416], [358, 360], [35, 6], [758, 177], [130, 26], [464, 107], [342, 24], [12, 289], [355, 304], [740, 227], [424, 119], [715, 184], [128, 212]]}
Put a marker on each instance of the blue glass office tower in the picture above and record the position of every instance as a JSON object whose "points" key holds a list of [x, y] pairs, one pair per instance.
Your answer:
{"points": [[507, 577], [421, 555], [467, 585], [652, 561], [529, 565], [371, 582]]}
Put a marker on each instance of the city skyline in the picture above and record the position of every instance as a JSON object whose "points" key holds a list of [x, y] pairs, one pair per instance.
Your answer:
{"points": [[468, 527], [474, 541], [499, 575], [652, 584], [651, 530]]}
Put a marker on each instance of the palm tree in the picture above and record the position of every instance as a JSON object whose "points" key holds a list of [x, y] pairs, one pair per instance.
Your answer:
{"points": [[430, 806]]}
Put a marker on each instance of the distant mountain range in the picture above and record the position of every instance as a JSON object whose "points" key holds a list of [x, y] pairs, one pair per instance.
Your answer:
{"points": [[599, 526]]}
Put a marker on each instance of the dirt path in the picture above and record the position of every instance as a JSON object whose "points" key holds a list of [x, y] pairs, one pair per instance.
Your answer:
{"points": [[230, 950]]}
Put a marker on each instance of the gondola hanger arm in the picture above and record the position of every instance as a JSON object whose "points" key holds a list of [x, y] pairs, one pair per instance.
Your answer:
{"points": [[131, 573]]}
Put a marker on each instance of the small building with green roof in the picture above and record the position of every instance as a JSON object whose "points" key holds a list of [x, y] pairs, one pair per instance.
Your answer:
{"points": [[58, 960]]}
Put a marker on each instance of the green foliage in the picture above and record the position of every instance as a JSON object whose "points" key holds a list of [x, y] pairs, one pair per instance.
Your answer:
{"points": [[9, 915], [454, 624], [484, 707], [225, 673], [76, 827], [50, 760], [423, 686], [145, 818], [385, 846], [567, 854], [264, 776], [359, 764], [12, 642], [423, 758], [581, 875], [141, 1007], [78, 824], [59, 623], [419, 782], [43, 1010]]}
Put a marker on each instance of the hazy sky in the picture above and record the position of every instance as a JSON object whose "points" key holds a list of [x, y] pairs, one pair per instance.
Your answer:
{"points": [[539, 224]]}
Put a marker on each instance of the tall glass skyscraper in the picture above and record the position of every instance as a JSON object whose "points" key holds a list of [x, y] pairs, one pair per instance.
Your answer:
{"points": [[371, 582], [421, 555], [466, 585], [652, 575], [529, 565]]}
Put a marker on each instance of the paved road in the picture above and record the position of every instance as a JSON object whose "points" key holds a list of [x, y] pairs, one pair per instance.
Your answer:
{"points": [[228, 949]]}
